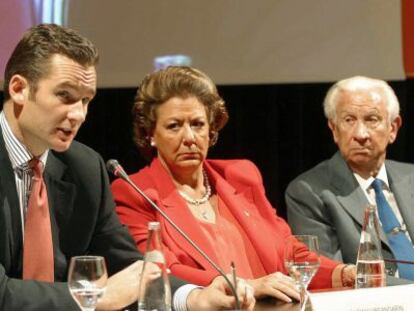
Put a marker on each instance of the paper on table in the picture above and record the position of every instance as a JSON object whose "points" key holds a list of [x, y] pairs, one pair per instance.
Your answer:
{"points": [[392, 298]]}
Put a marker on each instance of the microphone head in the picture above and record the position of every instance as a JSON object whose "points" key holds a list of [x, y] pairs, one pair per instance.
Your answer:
{"points": [[112, 166], [116, 169]]}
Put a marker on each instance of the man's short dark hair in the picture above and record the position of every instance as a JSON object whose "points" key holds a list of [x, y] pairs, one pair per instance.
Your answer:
{"points": [[32, 54]]}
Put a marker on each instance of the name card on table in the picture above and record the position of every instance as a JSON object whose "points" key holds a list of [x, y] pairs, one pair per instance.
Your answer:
{"points": [[392, 298]]}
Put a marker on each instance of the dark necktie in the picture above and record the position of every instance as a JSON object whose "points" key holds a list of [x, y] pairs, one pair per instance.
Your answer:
{"points": [[401, 246], [38, 261]]}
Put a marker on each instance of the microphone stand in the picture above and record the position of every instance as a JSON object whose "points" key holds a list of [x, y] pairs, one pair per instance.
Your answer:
{"points": [[116, 169], [408, 262]]}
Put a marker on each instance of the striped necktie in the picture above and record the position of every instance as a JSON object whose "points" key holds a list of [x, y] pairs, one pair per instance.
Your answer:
{"points": [[38, 263], [401, 246]]}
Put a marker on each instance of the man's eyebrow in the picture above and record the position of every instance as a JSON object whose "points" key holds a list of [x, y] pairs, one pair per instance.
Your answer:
{"points": [[68, 84]]}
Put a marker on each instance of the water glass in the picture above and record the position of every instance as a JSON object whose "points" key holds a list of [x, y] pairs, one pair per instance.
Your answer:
{"points": [[87, 280], [302, 261]]}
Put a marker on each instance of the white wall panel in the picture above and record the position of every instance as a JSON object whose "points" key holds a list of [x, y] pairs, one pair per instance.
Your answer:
{"points": [[244, 41]]}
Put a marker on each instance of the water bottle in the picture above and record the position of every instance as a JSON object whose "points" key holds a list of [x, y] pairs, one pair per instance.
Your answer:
{"points": [[155, 295], [370, 264]]}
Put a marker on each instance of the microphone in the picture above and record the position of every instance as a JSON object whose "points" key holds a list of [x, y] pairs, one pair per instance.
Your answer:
{"points": [[408, 262], [116, 169]]}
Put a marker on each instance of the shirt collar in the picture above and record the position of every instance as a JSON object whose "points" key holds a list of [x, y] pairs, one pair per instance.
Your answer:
{"points": [[18, 153], [366, 183]]}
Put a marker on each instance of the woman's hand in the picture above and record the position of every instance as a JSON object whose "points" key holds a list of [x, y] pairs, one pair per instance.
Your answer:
{"points": [[344, 276], [275, 285]]}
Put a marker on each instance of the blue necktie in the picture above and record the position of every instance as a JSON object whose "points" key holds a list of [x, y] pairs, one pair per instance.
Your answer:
{"points": [[401, 246]]}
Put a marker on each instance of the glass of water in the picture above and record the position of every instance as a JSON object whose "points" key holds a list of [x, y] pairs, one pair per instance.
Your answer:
{"points": [[302, 262], [87, 280]]}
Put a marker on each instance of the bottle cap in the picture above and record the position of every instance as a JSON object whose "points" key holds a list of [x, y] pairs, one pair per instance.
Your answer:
{"points": [[153, 225]]}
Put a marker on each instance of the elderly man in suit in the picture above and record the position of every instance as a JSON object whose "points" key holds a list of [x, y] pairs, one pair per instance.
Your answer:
{"points": [[55, 200], [329, 199]]}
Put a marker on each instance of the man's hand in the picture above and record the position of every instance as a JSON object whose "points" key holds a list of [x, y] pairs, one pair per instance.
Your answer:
{"points": [[276, 285], [218, 296], [123, 287]]}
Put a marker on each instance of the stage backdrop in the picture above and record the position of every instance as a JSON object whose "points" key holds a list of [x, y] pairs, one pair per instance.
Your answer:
{"points": [[273, 61], [235, 41]]}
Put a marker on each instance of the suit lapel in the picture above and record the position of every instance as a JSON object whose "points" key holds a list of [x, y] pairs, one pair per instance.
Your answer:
{"points": [[402, 187], [175, 207], [10, 207], [242, 204], [61, 193], [351, 196]]}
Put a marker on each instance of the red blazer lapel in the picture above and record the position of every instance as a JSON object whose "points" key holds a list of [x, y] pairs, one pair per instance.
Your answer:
{"points": [[242, 203], [175, 207]]}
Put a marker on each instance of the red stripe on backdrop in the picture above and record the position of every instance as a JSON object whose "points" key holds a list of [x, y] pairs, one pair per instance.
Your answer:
{"points": [[408, 36]]}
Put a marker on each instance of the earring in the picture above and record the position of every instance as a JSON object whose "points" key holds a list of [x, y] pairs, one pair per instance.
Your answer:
{"points": [[152, 143]]}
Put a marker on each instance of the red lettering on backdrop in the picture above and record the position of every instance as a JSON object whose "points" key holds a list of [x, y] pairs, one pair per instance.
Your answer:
{"points": [[408, 36]]}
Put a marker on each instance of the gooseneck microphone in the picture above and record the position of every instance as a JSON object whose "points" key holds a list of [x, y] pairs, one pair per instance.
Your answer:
{"points": [[116, 169], [407, 262]]}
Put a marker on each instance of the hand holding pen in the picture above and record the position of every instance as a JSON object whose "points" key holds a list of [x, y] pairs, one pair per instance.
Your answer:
{"points": [[244, 291]]}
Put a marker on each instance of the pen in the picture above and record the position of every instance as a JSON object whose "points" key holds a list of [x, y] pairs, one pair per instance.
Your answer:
{"points": [[233, 273]]}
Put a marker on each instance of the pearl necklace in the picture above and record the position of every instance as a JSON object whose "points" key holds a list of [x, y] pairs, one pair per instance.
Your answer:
{"points": [[205, 197]]}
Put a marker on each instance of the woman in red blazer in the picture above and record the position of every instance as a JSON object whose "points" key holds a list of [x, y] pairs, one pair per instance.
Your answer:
{"points": [[220, 204]]}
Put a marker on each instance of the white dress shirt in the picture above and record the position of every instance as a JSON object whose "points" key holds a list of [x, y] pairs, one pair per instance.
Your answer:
{"points": [[369, 192], [19, 157]]}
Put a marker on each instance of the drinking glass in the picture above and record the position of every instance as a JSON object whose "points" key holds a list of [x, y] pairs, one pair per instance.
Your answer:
{"points": [[302, 262], [87, 280]]}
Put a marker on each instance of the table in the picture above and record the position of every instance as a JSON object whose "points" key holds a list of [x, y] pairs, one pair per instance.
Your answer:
{"points": [[270, 304], [273, 305]]}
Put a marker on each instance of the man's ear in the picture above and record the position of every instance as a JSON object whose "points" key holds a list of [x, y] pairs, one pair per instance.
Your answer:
{"points": [[19, 89], [395, 126], [332, 126]]}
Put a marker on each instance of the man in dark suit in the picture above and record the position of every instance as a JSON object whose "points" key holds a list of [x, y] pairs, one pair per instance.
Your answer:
{"points": [[50, 80], [329, 200]]}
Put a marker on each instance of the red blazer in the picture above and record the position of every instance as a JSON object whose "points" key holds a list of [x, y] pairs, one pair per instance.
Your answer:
{"points": [[239, 185]]}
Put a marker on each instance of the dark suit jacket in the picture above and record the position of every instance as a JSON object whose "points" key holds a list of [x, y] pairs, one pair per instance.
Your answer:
{"points": [[239, 185], [83, 222], [327, 201]]}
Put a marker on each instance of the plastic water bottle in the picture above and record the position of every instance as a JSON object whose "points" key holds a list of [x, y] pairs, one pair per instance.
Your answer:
{"points": [[370, 264], [156, 294]]}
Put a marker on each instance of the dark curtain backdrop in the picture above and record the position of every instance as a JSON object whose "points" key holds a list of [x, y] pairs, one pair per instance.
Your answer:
{"points": [[279, 127]]}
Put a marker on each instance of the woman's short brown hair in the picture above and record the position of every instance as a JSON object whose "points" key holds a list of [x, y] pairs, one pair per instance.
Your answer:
{"points": [[175, 81]]}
